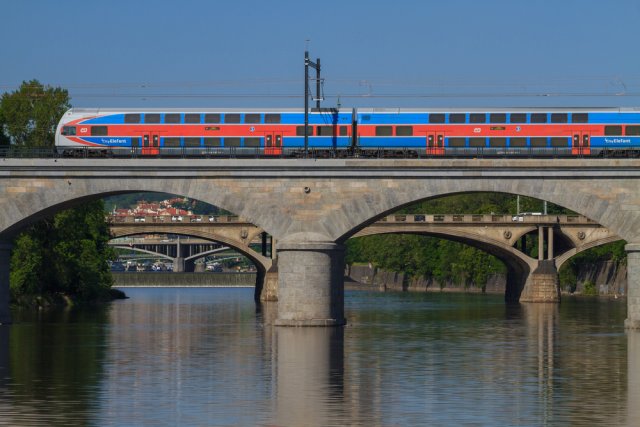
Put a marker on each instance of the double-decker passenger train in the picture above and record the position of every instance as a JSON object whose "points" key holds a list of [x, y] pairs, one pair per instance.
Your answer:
{"points": [[342, 132]]}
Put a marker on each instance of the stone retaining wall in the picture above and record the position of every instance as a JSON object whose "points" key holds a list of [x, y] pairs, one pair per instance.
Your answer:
{"points": [[153, 279]]}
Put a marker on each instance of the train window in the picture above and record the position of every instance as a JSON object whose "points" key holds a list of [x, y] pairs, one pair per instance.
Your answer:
{"points": [[497, 142], [477, 118], [612, 130], [69, 130], [557, 141], [457, 142], [559, 118], [325, 130], [538, 142], [212, 118], [152, 118], [633, 131], [383, 131], [518, 118], [539, 118], [232, 142], [477, 142], [300, 130], [252, 118], [458, 118], [252, 142], [404, 130], [192, 142], [132, 118], [212, 142], [99, 131], [343, 131], [497, 118], [436, 118], [172, 118], [192, 118], [580, 118], [231, 118], [172, 141], [518, 142], [272, 118]]}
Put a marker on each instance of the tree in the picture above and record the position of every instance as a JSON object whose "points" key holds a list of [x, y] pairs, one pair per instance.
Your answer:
{"points": [[56, 256], [30, 115]]}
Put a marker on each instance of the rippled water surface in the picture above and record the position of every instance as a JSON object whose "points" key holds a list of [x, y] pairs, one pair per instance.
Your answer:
{"points": [[209, 357]]}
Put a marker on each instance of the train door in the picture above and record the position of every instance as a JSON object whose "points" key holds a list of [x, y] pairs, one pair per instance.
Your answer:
{"points": [[581, 144], [273, 144], [435, 144], [150, 144]]}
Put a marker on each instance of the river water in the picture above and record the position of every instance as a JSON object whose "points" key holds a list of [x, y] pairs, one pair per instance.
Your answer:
{"points": [[194, 356]]}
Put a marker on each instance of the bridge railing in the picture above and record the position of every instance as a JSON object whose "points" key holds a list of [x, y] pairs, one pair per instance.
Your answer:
{"points": [[486, 218], [174, 219], [316, 152]]}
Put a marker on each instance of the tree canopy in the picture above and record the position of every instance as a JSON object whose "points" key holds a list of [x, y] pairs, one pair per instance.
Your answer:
{"points": [[29, 115]]}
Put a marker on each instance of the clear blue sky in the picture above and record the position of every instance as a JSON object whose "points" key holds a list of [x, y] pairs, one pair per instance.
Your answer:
{"points": [[374, 53]]}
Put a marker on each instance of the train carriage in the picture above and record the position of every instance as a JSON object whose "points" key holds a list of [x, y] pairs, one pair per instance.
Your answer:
{"points": [[363, 132], [250, 132], [572, 132]]}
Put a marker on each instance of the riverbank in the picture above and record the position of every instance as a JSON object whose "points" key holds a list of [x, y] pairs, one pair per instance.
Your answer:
{"points": [[610, 279]]}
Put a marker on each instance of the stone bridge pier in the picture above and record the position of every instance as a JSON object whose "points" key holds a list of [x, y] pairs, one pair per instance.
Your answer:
{"points": [[633, 284], [311, 284]]}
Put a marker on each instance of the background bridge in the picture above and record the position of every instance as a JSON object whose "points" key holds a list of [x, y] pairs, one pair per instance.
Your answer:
{"points": [[502, 235]]}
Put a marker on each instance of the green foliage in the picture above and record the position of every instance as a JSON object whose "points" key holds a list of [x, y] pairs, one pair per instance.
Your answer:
{"points": [[482, 203], [568, 273], [449, 261], [589, 288], [420, 256], [66, 254], [29, 116]]}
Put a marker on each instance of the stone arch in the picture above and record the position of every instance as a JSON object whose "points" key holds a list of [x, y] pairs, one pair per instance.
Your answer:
{"points": [[259, 260], [263, 264], [563, 258], [590, 198]]}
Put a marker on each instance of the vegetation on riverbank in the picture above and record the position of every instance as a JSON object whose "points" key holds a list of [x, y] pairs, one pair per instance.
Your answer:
{"points": [[61, 259]]}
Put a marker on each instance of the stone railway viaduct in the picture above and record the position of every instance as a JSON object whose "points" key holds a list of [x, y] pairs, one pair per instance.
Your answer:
{"points": [[311, 207]]}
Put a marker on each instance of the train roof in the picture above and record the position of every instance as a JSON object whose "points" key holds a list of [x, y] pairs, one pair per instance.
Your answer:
{"points": [[500, 110], [359, 110], [204, 110]]}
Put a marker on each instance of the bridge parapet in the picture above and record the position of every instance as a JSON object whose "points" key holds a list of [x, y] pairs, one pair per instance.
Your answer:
{"points": [[176, 219], [487, 218]]}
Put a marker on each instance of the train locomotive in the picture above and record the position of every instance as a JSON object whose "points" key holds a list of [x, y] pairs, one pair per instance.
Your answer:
{"points": [[605, 132]]}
